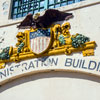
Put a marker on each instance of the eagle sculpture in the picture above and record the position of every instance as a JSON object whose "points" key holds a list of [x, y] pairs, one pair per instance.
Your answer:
{"points": [[46, 20]]}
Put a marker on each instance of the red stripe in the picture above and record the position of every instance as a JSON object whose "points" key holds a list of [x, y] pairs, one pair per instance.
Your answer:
{"points": [[39, 44]]}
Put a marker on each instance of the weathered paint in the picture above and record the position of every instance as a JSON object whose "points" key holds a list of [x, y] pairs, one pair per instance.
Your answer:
{"points": [[54, 85]]}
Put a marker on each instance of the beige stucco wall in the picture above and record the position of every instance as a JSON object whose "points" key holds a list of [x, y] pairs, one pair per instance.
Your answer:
{"points": [[56, 85], [52, 86]]}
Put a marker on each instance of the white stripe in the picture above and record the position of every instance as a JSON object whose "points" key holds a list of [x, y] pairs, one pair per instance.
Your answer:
{"points": [[37, 44], [31, 43], [34, 45], [45, 43], [40, 44]]}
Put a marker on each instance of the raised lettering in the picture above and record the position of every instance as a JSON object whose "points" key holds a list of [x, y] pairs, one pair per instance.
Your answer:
{"points": [[68, 62], [92, 65], [83, 65], [31, 65], [77, 62]]}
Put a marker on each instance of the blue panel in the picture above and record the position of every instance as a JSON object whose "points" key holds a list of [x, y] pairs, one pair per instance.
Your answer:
{"points": [[70, 2], [42, 4], [24, 14], [33, 6], [14, 16], [63, 4], [45, 4], [51, 6], [35, 11], [77, 0], [51, 2], [58, 5], [40, 32], [16, 4], [42, 9], [19, 15], [30, 12], [15, 10]]}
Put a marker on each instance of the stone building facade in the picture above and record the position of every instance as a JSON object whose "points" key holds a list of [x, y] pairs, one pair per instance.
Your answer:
{"points": [[61, 80]]}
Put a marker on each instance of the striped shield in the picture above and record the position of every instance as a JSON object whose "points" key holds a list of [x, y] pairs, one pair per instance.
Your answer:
{"points": [[39, 40]]}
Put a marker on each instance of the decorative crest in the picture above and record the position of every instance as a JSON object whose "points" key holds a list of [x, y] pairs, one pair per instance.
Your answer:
{"points": [[55, 40]]}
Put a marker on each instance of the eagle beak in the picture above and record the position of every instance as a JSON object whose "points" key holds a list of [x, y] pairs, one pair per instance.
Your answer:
{"points": [[69, 16]]}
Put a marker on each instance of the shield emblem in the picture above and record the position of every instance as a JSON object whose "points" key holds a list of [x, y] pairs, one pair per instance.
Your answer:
{"points": [[40, 40]]}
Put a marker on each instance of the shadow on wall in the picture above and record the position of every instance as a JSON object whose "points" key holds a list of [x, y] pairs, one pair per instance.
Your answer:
{"points": [[51, 74]]}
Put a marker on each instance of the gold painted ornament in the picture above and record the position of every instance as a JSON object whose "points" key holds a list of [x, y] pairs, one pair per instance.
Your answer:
{"points": [[55, 40]]}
